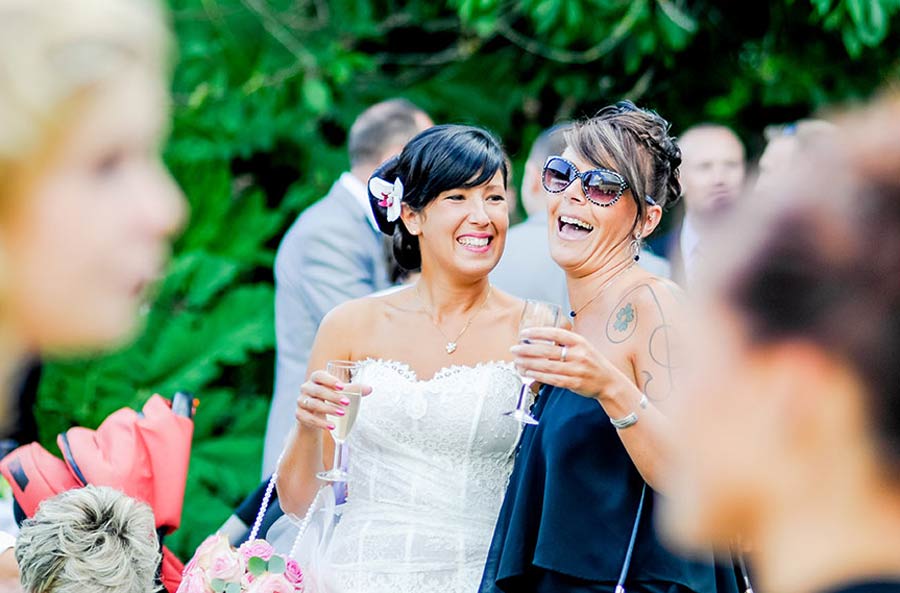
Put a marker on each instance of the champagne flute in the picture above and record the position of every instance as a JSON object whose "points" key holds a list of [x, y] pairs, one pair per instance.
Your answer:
{"points": [[344, 371], [535, 314]]}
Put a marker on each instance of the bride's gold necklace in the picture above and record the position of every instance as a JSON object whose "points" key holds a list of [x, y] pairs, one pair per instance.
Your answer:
{"points": [[453, 344]]}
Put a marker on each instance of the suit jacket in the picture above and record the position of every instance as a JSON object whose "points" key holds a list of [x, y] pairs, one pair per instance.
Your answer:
{"points": [[526, 269], [330, 255]]}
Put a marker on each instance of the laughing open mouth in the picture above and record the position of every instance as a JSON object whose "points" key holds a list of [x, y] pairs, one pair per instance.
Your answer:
{"points": [[573, 228]]}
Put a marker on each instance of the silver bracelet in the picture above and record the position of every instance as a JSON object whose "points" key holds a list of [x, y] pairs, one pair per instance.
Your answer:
{"points": [[629, 420]]}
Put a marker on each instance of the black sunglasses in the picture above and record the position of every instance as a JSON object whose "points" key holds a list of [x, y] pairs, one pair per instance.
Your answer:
{"points": [[602, 187]]}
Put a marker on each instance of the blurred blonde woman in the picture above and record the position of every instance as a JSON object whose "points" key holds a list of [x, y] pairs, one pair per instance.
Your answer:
{"points": [[87, 209], [790, 428]]}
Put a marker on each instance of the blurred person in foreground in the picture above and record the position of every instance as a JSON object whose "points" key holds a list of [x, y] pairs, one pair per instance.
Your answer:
{"points": [[577, 512], [712, 174], [87, 210], [526, 268], [786, 145], [790, 428], [89, 540], [333, 253]]}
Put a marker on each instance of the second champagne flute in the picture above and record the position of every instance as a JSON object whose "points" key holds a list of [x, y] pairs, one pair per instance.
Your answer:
{"points": [[535, 314], [344, 371]]}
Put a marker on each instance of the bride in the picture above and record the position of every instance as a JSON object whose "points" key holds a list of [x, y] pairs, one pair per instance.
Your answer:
{"points": [[431, 452]]}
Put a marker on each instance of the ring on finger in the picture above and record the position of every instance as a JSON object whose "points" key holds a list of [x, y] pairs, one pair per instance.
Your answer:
{"points": [[305, 402], [563, 353]]}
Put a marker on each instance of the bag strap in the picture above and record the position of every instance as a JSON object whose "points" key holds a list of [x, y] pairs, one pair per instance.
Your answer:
{"points": [[620, 585], [264, 505], [267, 497]]}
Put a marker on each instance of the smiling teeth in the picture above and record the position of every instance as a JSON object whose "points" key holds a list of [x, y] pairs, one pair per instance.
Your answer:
{"points": [[576, 222], [473, 242]]}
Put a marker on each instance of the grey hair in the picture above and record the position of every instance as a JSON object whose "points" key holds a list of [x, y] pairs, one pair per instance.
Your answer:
{"points": [[92, 539]]}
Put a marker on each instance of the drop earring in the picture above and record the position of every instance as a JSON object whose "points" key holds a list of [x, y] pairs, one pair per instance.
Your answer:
{"points": [[636, 248]]}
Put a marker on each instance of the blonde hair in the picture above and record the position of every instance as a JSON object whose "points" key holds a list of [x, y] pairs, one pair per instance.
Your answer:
{"points": [[52, 51], [89, 539]]}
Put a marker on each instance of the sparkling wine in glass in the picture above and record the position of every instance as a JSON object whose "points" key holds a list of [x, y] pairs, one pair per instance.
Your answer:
{"points": [[535, 314], [344, 371]]}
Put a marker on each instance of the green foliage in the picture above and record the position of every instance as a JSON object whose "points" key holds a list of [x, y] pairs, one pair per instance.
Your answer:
{"points": [[265, 91]]}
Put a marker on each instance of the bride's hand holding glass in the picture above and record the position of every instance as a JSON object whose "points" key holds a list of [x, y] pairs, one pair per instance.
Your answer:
{"points": [[321, 396], [334, 394], [562, 358]]}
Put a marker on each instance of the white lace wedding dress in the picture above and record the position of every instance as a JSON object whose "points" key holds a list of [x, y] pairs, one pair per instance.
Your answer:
{"points": [[429, 461]]}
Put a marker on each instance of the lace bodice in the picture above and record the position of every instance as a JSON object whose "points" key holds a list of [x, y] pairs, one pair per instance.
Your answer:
{"points": [[429, 461], [440, 444]]}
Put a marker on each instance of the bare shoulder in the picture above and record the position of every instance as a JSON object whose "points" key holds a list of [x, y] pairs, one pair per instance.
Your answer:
{"points": [[507, 309], [648, 303], [354, 314]]}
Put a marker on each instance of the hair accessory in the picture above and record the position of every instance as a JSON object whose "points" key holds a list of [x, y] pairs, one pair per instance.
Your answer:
{"points": [[391, 195]]}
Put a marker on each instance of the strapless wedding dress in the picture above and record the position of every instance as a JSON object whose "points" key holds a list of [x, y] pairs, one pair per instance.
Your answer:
{"points": [[429, 462]]}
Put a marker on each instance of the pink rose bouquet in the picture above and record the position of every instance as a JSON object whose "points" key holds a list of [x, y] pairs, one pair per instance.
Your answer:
{"points": [[253, 568]]}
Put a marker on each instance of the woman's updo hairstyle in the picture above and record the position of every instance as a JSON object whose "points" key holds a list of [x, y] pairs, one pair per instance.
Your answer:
{"points": [[635, 143], [437, 160], [821, 263]]}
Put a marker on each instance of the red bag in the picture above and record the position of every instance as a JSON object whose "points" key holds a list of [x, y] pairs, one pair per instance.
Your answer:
{"points": [[144, 455]]}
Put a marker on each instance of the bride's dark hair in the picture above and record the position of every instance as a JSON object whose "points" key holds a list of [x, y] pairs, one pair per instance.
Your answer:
{"points": [[439, 159]]}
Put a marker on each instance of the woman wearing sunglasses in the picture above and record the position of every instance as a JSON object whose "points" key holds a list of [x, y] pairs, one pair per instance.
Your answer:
{"points": [[578, 512]]}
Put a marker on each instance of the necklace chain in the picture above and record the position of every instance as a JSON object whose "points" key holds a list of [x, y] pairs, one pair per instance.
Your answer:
{"points": [[454, 343], [607, 284]]}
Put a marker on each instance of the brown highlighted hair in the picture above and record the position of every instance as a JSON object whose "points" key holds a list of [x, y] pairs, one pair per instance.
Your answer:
{"points": [[826, 267], [636, 144]]}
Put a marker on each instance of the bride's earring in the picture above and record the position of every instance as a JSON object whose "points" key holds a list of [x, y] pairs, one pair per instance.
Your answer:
{"points": [[636, 247]]}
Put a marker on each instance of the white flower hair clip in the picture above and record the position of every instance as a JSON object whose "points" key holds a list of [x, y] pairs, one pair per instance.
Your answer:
{"points": [[390, 195]]}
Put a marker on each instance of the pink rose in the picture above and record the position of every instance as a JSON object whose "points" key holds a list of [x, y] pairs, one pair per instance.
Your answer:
{"points": [[212, 547], [193, 582], [271, 583], [257, 548], [292, 572], [228, 566]]}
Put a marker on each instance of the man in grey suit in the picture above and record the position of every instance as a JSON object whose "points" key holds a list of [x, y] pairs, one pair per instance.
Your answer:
{"points": [[526, 269], [333, 253]]}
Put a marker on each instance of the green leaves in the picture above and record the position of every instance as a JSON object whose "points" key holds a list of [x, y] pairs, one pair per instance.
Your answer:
{"points": [[316, 95], [220, 586], [256, 566]]}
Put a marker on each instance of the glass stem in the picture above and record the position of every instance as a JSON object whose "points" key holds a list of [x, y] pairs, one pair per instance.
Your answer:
{"points": [[338, 454], [520, 405]]}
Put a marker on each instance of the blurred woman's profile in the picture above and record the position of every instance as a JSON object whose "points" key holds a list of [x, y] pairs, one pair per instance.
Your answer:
{"points": [[87, 209], [790, 431]]}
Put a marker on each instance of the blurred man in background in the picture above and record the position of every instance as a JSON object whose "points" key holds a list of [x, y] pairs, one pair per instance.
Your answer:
{"points": [[713, 171], [785, 144], [526, 269], [333, 253]]}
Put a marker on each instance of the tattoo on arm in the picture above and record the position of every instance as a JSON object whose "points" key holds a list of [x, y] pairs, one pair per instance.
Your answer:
{"points": [[621, 326]]}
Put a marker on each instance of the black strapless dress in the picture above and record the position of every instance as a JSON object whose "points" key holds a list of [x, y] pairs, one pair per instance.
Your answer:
{"points": [[569, 513]]}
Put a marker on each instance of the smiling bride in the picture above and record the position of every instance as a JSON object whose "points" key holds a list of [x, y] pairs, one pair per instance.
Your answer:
{"points": [[431, 451]]}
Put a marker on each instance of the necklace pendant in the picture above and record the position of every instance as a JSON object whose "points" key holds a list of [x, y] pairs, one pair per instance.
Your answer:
{"points": [[451, 347]]}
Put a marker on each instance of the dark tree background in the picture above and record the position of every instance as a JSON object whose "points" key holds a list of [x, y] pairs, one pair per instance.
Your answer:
{"points": [[265, 90]]}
